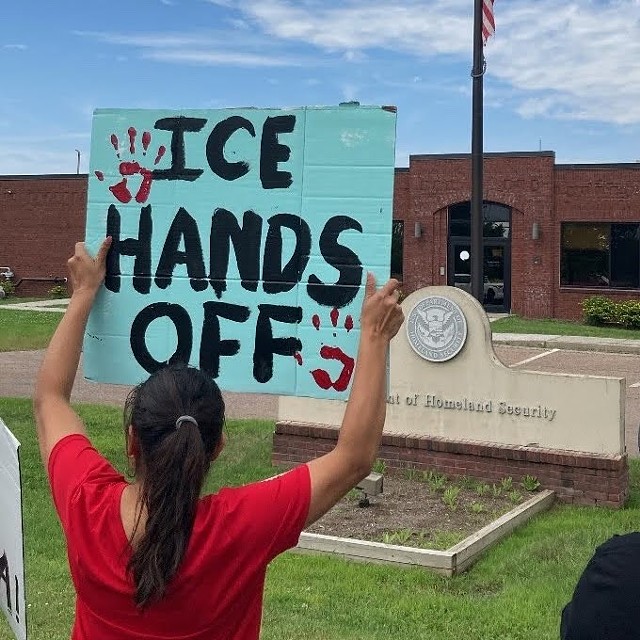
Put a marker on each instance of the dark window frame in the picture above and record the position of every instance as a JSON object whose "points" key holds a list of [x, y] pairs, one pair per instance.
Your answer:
{"points": [[457, 222], [397, 233], [610, 284]]}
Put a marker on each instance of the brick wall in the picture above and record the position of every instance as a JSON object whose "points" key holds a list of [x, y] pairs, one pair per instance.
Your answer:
{"points": [[575, 477], [41, 219], [524, 182], [600, 193]]}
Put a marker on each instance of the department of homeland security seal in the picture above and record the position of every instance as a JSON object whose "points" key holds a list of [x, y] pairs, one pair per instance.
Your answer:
{"points": [[436, 329]]}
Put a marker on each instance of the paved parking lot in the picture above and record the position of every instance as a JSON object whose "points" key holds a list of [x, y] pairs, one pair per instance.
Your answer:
{"points": [[18, 370]]}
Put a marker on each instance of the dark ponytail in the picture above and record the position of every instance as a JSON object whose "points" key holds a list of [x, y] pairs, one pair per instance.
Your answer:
{"points": [[174, 460]]}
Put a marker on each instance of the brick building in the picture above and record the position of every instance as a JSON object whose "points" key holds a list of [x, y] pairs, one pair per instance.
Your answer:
{"points": [[553, 233], [41, 218]]}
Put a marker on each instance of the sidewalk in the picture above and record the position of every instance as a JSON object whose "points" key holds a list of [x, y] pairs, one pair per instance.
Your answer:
{"points": [[540, 341]]}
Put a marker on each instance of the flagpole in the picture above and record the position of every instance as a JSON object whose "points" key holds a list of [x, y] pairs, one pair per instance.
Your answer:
{"points": [[477, 250]]}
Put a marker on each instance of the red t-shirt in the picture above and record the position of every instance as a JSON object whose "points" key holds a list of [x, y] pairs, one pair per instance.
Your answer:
{"points": [[217, 591]]}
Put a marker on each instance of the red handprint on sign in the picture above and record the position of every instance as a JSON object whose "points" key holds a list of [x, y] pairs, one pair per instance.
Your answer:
{"points": [[321, 377], [132, 168]]}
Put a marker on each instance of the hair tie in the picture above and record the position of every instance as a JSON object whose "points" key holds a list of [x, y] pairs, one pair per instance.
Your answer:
{"points": [[182, 419]]}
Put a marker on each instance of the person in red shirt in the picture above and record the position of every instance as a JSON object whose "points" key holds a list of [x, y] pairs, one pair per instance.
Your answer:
{"points": [[152, 559]]}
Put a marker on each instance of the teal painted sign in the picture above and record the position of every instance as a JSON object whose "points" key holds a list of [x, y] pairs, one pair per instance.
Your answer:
{"points": [[241, 242]]}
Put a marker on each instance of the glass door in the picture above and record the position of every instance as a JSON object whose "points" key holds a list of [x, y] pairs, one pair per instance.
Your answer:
{"points": [[496, 266]]}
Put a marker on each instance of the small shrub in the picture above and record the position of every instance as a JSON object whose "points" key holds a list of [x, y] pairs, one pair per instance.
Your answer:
{"points": [[598, 310], [467, 483], [628, 314], [450, 497], [380, 466], [530, 483], [411, 473], [515, 496], [400, 537], [506, 484], [59, 291], [482, 489], [476, 507], [496, 490], [7, 286], [435, 480]]}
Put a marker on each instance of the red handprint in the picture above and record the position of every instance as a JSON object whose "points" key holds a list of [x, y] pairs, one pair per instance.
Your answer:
{"points": [[322, 377], [131, 168]]}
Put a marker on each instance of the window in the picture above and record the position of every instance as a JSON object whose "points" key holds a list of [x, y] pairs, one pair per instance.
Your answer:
{"points": [[397, 248], [496, 218], [600, 255]]}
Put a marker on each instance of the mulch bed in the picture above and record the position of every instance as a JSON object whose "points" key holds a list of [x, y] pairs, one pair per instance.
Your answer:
{"points": [[411, 512]]}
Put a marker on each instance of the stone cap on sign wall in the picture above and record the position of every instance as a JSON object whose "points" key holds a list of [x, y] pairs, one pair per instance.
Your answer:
{"points": [[446, 381]]}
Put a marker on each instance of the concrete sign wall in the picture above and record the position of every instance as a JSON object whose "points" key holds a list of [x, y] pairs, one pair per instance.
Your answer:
{"points": [[241, 240], [12, 601], [445, 380]]}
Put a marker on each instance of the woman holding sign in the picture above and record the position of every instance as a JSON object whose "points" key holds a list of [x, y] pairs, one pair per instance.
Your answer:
{"points": [[151, 558]]}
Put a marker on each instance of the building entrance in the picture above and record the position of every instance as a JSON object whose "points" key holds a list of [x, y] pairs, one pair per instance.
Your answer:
{"points": [[496, 253]]}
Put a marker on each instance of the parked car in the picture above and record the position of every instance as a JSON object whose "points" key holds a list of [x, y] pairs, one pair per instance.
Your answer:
{"points": [[493, 291]]}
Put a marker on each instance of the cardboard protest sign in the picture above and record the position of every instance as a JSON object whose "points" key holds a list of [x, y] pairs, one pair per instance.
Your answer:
{"points": [[12, 602], [241, 242]]}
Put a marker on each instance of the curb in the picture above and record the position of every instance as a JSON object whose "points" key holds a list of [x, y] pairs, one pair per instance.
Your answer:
{"points": [[569, 343]]}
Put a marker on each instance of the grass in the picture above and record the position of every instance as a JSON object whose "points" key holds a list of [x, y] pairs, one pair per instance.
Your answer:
{"points": [[515, 592], [26, 330], [15, 300], [515, 324]]}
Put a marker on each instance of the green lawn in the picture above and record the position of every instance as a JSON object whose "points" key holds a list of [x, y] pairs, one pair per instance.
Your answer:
{"points": [[515, 592], [26, 330], [15, 300], [515, 324]]}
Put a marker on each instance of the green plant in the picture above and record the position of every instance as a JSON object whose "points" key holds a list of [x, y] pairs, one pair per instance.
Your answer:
{"points": [[515, 496], [59, 291], [450, 497], [411, 473], [506, 483], [598, 310], [482, 488], [477, 507], [496, 489], [7, 286], [435, 480], [380, 466], [530, 483], [628, 314], [467, 483], [400, 536]]}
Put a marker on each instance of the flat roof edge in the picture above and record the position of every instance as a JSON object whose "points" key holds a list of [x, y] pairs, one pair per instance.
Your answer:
{"points": [[44, 176]]}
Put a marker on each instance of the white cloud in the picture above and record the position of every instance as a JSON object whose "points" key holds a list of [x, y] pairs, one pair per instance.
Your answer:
{"points": [[212, 48], [219, 58], [46, 153], [15, 47], [577, 60]]}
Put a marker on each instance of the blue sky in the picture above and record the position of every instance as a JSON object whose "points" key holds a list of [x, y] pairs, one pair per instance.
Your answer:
{"points": [[561, 75]]}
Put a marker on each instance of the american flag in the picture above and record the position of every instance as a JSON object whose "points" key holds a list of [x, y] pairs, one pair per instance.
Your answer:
{"points": [[488, 22]]}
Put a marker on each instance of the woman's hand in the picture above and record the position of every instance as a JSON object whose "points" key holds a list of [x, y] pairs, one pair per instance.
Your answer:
{"points": [[382, 316], [87, 273]]}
